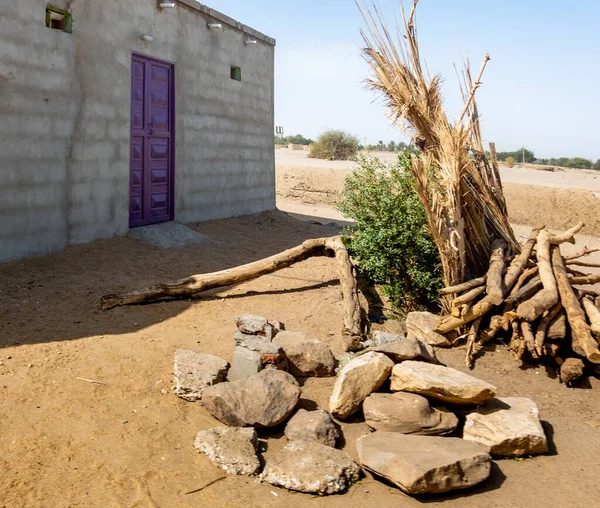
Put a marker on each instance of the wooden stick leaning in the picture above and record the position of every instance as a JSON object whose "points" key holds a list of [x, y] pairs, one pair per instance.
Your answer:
{"points": [[332, 247]]}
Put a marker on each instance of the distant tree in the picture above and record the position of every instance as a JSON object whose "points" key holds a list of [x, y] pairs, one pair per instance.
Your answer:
{"points": [[380, 146], [517, 155], [334, 145], [391, 146], [299, 139], [596, 165]]}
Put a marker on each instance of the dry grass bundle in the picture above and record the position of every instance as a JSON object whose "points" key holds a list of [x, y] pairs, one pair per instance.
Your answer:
{"points": [[460, 189]]}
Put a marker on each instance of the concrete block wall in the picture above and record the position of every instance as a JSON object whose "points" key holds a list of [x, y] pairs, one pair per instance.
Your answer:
{"points": [[64, 119]]}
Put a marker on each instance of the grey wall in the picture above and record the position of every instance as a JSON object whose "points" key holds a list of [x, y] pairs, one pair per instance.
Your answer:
{"points": [[64, 119]]}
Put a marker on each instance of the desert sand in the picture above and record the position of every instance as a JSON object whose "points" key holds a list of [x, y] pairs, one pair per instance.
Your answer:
{"points": [[126, 441]]}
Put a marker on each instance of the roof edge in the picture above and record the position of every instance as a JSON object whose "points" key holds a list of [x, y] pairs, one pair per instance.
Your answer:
{"points": [[219, 16]]}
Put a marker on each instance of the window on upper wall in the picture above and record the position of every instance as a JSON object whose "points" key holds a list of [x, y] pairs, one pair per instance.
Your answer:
{"points": [[236, 73], [58, 19]]}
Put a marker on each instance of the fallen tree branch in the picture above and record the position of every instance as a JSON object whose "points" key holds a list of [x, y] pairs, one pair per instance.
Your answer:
{"points": [[467, 297], [585, 252], [519, 262], [593, 315], [540, 334], [332, 247]]}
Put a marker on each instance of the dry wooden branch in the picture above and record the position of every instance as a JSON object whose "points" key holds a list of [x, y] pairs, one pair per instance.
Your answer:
{"points": [[530, 272], [588, 279], [497, 323], [540, 334], [465, 286], [531, 309], [526, 292], [593, 315], [519, 262], [576, 262], [333, 247], [582, 341], [495, 283], [469, 296], [529, 339], [473, 331], [585, 252]]}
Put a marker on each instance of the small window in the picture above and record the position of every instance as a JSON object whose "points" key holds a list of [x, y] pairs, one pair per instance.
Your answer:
{"points": [[236, 73], [58, 19]]}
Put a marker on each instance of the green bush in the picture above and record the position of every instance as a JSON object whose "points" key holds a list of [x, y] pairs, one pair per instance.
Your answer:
{"points": [[390, 238], [334, 145]]}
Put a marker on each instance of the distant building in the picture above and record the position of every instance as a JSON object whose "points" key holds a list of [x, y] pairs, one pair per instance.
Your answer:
{"points": [[118, 114]]}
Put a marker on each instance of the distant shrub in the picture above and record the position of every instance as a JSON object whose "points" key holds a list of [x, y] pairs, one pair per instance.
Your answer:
{"points": [[334, 145], [390, 238], [596, 165], [509, 162]]}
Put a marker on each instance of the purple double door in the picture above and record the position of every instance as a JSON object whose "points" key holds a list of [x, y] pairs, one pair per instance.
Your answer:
{"points": [[152, 161]]}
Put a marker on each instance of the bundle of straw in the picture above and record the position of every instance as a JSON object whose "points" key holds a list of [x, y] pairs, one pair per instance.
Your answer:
{"points": [[460, 189]]}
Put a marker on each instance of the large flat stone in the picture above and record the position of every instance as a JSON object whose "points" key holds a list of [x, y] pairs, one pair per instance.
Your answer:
{"points": [[263, 400], [312, 426], [307, 356], [424, 464], [193, 372], [307, 466], [507, 427], [357, 380], [439, 382], [407, 413], [233, 449], [422, 326], [254, 325]]}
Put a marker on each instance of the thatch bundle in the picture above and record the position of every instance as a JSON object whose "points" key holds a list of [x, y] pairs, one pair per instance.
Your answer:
{"points": [[460, 189]]}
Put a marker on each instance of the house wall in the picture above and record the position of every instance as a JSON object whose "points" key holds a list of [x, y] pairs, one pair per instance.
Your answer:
{"points": [[65, 109]]}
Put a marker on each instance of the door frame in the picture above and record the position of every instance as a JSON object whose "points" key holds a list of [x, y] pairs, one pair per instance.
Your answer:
{"points": [[172, 123]]}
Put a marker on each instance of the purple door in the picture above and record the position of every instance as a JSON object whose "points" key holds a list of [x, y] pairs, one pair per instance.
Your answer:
{"points": [[152, 162]]}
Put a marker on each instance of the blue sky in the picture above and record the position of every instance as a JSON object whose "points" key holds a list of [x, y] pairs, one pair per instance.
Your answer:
{"points": [[541, 88]]}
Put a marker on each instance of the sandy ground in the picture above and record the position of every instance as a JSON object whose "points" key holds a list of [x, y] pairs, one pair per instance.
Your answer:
{"points": [[126, 441], [66, 442], [557, 199]]}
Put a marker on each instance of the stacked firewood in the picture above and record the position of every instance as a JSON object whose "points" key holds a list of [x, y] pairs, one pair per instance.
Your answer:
{"points": [[520, 299]]}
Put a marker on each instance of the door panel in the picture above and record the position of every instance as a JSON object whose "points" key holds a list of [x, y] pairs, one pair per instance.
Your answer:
{"points": [[151, 184]]}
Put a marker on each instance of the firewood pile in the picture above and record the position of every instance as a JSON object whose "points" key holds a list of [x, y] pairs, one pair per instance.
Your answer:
{"points": [[533, 300]]}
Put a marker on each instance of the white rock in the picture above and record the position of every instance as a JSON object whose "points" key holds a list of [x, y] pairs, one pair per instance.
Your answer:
{"points": [[407, 349], [507, 427], [357, 380], [312, 426], [422, 326], [424, 464], [308, 466], [193, 372], [439, 382], [230, 448]]}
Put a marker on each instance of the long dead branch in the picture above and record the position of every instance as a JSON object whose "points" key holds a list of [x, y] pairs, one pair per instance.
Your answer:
{"points": [[332, 247]]}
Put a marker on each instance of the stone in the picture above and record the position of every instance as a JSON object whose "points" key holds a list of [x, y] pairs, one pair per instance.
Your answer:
{"points": [[424, 464], [571, 370], [307, 356], [439, 382], [255, 325], [308, 466], [193, 372], [230, 448], [422, 326], [407, 349], [246, 363], [507, 427], [407, 413], [271, 354], [357, 380], [380, 338], [265, 399], [312, 426]]}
